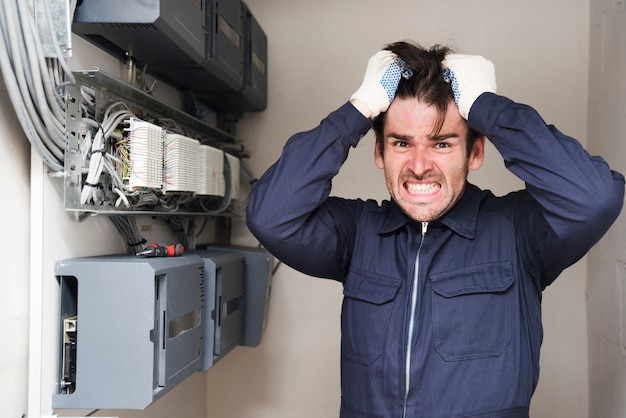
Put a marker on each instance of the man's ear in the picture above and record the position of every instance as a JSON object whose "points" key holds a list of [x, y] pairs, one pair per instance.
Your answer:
{"points": [[477, 154], [378, 157]]}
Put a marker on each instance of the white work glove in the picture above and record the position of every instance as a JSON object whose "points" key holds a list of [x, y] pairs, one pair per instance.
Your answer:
{"points": [[381, 81], [470, 76]]}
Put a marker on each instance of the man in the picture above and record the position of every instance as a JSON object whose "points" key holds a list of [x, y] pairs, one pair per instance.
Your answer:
{"points": [[442, 284]]}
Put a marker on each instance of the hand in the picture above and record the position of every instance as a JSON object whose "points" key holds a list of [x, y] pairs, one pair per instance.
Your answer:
{"points": [[470, 76], [380, 82]]}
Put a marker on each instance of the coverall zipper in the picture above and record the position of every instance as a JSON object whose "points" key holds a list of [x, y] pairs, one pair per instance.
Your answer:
{"points": [[412, 315]]}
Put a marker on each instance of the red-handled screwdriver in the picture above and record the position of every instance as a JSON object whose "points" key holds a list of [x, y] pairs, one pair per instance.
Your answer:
{"points": [[159, 250]]}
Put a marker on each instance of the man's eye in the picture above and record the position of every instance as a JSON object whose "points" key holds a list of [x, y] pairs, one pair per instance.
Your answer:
{"points": [[442, 145], [402, 144]]}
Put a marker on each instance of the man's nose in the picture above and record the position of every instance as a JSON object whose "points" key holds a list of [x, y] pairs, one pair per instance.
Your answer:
{"points": [[420, 161]]}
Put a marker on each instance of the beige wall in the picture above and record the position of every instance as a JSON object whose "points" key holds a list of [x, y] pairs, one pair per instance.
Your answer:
{"points": [[606, 283], [14, 170], [318, 52]]}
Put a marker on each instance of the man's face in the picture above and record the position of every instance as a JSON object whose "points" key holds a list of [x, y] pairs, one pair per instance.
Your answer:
{"points": [[426, 172]]}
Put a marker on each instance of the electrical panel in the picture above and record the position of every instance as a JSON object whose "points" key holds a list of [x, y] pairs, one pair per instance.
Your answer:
{"points": [[224, 314], [257, 284], [215, 49], [253, 92], [153, 31], [238, 285], [127, 152], [131, 328]]}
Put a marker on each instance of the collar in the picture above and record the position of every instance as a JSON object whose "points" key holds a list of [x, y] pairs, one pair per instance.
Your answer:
{"points": [[462, 218]]}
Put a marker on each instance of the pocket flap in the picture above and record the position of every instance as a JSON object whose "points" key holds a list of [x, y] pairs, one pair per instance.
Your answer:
{"points": [[483, 278], [371, 288]]}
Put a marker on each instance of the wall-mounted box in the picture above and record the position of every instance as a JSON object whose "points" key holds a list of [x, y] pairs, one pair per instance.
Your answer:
{"points": [[155, 32], [253, 94], [258, 286], [131, 329], [216, 49], [224, 307], [238, 284]]}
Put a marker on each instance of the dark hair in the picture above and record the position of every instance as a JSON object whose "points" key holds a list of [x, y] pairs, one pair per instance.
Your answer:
{"points": [[427, 84]]}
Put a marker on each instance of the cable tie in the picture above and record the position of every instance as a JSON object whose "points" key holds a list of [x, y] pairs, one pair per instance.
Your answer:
{"points": [[99, 185], [101, 151], [143, 241]]}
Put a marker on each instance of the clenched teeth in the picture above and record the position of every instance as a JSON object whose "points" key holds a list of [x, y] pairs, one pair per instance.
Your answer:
{"points": [[422, 188]]}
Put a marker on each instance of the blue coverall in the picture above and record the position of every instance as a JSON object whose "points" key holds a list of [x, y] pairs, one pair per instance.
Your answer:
{"points": [[471, 347]]}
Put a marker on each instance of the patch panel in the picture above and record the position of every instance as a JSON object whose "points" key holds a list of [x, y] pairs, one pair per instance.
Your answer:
{"points": [[145, 153]]}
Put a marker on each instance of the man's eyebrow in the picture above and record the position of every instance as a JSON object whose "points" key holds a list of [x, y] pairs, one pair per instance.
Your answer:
{"points": [[443, 137], [396, 136], [433, 137]]}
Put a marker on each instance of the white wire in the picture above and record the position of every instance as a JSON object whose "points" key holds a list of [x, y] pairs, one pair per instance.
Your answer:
{"points": [[110, 168], [34, 83], [40, 88], [121, 199], [7, 62], [43, 65], [21, 72], [98, 149], [55, 41]]}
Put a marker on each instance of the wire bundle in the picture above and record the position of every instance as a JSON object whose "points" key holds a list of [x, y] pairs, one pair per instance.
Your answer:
{"points": [[34, 83], [127, 227], [101, 156]]}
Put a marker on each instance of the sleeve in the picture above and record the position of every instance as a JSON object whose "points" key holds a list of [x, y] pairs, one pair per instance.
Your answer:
{"points": [[290, 211], [577, 195]]}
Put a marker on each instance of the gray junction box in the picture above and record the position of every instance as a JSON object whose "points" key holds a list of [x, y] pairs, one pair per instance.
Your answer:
{"points": [[137, 329], [131, 328]]}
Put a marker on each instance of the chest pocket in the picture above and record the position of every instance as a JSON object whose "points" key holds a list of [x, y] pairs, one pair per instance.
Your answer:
{"points": [[367, 307], [472, 311]]}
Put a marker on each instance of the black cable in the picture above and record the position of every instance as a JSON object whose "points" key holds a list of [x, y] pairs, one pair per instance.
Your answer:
{"points": [[127, 227]]}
